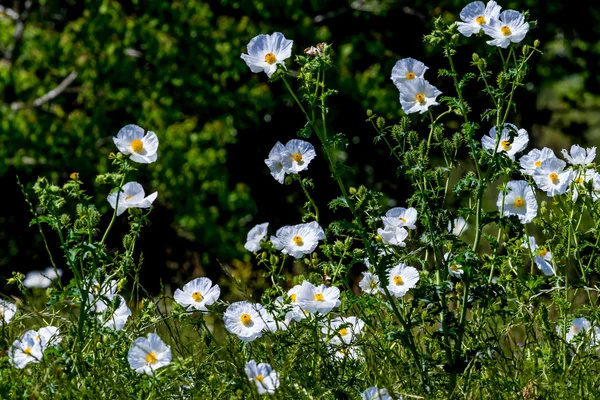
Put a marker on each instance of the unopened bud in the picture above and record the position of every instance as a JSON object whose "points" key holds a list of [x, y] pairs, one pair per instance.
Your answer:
{"points": [[536, 43], [369, 112], [352, 190]]}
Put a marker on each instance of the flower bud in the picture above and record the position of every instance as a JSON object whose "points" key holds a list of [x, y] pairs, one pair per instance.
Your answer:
{"points": [[475, 57]]}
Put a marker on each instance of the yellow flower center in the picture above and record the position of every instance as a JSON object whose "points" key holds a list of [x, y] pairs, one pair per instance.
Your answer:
{"points": [[343, 332], [538, 164], [27, 351], [37, 338], [151, 358], [297, 157], [480, 20], [260, 378], [420, 98], [454, 267], [505, 30], [402, 219], [542, 252], [270, 58], [128, 197], [505, 144], [398, 280], [580, 180], [574, 330], [410, 75], [197, 296], [519, 202], [137, 145], [319, 297], [246, 319], [298, 240], [554, 177], [373, 284], [293, 297]]}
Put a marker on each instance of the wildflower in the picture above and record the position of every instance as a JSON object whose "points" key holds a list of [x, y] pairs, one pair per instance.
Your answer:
{"points": [[47, 336], [244, 320], [580, 179], [579, 155], [542, 257], [299, 239], [41, 279], [417, 95], [534, 159], [7, 311], [373, 393], [131, 140], [275, 163], [507, 144], [399, 216], [197, 294], [296, 313], [520, 201], [551, 176], [255, 236], [297, 155], [343, 330], [475, 15], [345, 352], [580, 325], [456, 270], [393, 235], [370, 283], [265, 378], [101, 291], [132, 195], [320, 299], [113, 317], [265, 52], [458, 226], [401, 278], [25, 350], [510, 27], [146, 355], [407, 69]]}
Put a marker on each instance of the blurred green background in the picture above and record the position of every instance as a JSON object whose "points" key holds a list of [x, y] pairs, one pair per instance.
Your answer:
{"points": [[174, 67]]}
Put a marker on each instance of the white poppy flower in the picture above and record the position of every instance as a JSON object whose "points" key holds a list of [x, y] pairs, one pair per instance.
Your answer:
{"points": [[519, 200], [296, 313], [370, 283], [456, 270], [534, 159], [255, 236], [198, 294], [579, 155], [417, 95], [275, 162], [399, 216], [552, 178], [580, 179], [407, 69], [297, 155], [101, 291], [41, 279], [579, 325], [111, 317], [7, 311], [25, 350], [146, 355], [48, 336], [321, 299], [245, 320], [393, 235], [345, 353], [401, 279], [541, 256], [458, 226], [343, 330], [510, 146], [298, 240], [475, 15], [132, 195], [373, 393], [265, 52], [265, 378], [142, 148], [510, 27]]}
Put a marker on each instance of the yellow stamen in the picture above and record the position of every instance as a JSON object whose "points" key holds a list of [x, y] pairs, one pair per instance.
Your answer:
{"points": [[298, 240], [554, 177], [137, 145], [398, 280], [410, 75], [454, 267], [319, 297], [343, 332], [574, 330], [246, 319], [420, 98], [519, 202], [480, 20], [37, 338], [293, 297], [260, 378], [542, 252], [505, 144], [27, 351], [128, 197], [151, 358], [538, 164], [402, 219], [505, 30], [297, 157], [197, 296], [580, 180], [373, 285], [270, 58]]}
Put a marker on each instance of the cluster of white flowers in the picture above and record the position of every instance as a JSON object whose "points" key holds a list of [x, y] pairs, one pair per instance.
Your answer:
{"points": [[30, 347], [416, 93], [395, 222], [292, 158]]}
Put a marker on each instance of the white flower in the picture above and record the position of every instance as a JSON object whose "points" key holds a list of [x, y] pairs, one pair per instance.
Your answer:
{"points": [[275, 163], [401, 278], [197, 294], [245, 320], [7, 311], [255, 236], [393, 235], [580, 179], [579, 155], [507, 144], [265, 378], [458, 226], [343, 330], [417, 95], [266, 51], [551, 177], [298, 240], [456, 270], [131, 140], [41, 279], [542, 257], [101, 291], [407, 69], [47, 336], [297, 155], [399, 216], [578, 326], [112, 313], [520, 201], [373, 393], [296, 313], [475, 15], [510, 27], [345, 353], [370, 283], [146, 355], [534, 159], [320, 299], [132, 195], [25, 350]]}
